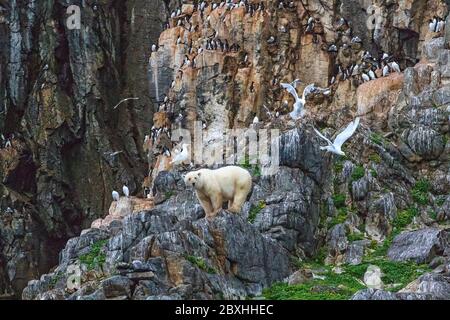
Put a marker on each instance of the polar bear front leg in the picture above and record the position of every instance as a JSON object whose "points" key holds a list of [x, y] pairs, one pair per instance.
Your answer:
{"points": [[217, 202], [205, 203]]}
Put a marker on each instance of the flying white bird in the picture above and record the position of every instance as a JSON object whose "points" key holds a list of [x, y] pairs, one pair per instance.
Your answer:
{"points": [[340, 139], [124, 100], [181, 157], [299, 105], [126, 191], [115, 195]]}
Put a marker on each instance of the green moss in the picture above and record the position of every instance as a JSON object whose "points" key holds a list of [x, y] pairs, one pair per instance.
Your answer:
{"points": [[339, 218], [255, 170], [55, 279], [169, 194], [339, 200], [404, 218], [377, 138], [432, 214], [440, 201], [96, 256], [338, 167], [373, 173], [358, 173], [398, 273], [375, 158], [201, 264], [254, 211], [419, 192], [355, 236], [382, 249]]}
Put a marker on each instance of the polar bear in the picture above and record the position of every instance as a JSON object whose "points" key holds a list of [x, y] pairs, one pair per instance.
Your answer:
{"points": [[213, 187]]}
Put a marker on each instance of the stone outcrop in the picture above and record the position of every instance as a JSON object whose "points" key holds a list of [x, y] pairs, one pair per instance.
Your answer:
{"points": [[69, 148]]}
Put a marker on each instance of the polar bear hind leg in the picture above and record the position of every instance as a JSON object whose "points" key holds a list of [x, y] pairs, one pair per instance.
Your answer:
{"points": [[239, 200]]}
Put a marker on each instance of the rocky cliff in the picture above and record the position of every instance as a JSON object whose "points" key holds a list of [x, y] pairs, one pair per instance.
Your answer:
{"points": [[372, 224]]}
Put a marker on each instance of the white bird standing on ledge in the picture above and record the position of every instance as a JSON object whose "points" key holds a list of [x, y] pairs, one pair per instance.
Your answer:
{"points": [[340, 139], [115, 195], [126, 191], [182, 156]]}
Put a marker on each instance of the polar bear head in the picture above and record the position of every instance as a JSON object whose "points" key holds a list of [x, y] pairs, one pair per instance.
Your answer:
{"points": [[193, 179]]}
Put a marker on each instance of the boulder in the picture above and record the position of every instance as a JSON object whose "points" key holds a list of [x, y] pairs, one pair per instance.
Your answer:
{"points": [[420, 246]]}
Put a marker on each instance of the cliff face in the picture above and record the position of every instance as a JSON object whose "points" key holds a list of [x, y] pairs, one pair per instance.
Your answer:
{"points": [[58, 87], [223, 67]]}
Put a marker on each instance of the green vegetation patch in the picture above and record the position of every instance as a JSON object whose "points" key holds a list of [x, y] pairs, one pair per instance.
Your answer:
{"points": [[375, 158], [377, 138], [355, 236], [396, 275], [420, 191], [404, 218], [254, 211], [254, 169], [343, 286], [358, 173], [339, 200], [96, 256], [339, 218], [201, 264]]}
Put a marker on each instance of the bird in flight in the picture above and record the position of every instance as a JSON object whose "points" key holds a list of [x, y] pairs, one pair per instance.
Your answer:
{"points": [[335, 147]]}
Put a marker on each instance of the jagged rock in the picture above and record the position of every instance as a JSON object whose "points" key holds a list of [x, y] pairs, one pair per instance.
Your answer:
{"points": [[337, 243], [435, 285], [374, 294], [381, 211], [71, 149], [355, 252], [117, 286], [299, 277], [420, 246], [202, 259]]}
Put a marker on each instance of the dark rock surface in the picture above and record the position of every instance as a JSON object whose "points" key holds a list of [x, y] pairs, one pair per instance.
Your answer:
{"points": [[420, 246]]}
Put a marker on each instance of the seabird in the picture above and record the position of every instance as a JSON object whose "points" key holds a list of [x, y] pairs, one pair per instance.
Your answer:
{"points": [[335, 147], [181, 157], [299, 104], [115, 196], [126, 191]]}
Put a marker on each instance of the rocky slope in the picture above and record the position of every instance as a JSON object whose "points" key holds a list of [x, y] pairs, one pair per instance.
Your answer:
{"points": [[371, 225], [57, 91]]}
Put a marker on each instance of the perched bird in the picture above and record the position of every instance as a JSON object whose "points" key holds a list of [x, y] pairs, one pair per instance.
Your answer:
{"points": [[394, 65], [154, 48], [385, 70], [181, 157], [299, 104], [365, 77], [255, 120], [433, 25], [335, 147], [126, 191], [115, 195]]}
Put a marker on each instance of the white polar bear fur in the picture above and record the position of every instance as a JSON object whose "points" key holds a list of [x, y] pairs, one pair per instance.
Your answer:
{"points": [[213, 187]]}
